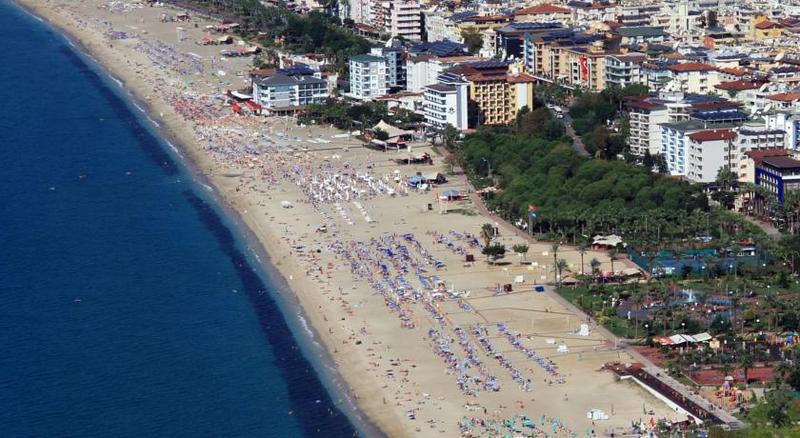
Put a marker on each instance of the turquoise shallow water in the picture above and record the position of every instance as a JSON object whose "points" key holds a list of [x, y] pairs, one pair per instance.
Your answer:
{"points": [[127, 307]]}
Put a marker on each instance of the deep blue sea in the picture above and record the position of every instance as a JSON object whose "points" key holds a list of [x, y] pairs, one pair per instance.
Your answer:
{"points": [[127, 305]]}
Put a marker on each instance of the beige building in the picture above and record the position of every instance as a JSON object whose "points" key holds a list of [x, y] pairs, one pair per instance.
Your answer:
{"points": [[587, 67], [497, 91]]}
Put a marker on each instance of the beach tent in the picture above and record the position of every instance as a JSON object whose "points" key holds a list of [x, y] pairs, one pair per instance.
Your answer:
{"points": [[702, 337], [681, 339], [436, 178], [450, 194], [416, 181], [609, 241], [396, 136]]}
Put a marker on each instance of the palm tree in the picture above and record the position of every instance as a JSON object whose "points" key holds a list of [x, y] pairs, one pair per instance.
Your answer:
{"points": [[582, 249], [745, 363], [595, 265], [726, 370], [561, 264], [782, 369], [612, 254], [487, 233], [554, 248]]}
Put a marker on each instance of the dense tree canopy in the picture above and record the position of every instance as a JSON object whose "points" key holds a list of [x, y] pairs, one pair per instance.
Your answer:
{"points": [[592, 114], [573, 193]]}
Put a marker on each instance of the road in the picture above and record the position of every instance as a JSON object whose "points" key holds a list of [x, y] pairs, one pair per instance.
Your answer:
{"points": [[577, 143]]}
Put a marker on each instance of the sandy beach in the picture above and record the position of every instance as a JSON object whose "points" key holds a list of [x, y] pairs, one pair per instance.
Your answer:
{"points": [[428, 344]]}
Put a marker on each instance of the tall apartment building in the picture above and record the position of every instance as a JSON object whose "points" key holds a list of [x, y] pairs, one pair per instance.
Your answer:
{"points": [[753, 136], [694, 77], [709, 151], [495, 91], [625, 69], [779, 175], [446, 103], [646, 116], [587, 67], [638, 15], [402, 18], [395, 55], [361, 11], [789, 122], [368, 78]]}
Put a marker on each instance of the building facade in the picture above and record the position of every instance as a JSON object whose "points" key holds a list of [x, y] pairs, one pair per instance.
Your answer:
{"points": [[645, 130], [446, 104], [283, 91], [779, 175], [368, 77], [403, 18], [709, 151]]}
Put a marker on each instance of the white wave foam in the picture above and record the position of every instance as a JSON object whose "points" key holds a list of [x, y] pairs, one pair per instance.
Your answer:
{"points": [[304, 323]]}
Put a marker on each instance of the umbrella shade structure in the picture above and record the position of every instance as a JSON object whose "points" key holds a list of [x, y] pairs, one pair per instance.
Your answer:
{"points": [[451, 194], [416, 181]]}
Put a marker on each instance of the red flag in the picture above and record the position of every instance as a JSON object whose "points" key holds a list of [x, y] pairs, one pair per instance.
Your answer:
{"points": [[584, 68]]}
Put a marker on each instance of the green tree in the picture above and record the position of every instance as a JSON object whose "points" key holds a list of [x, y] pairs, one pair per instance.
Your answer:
{"points": [[726, 187], [487, 233], [473, 38], [746, 363], [561, 265], [554, 249], [494, 251], [595, 265], [582, 250], [449, 136], [382, 135], [522, 250]]}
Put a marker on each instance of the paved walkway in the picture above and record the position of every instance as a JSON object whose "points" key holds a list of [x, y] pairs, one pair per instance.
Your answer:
{"points": [[771, 231]]}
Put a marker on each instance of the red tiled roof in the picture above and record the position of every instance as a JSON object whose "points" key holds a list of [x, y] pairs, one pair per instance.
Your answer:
{"points": [[767, 24], [263, 72], [739, 85], [544, 8], [481, 77], [760, 154], [708, 106], [691, 66], [785, 97], [712, 135], [735, 71], [520, 78]]}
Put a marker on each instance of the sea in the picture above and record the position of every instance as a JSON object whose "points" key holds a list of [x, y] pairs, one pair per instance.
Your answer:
{"points": [[130, 304]]}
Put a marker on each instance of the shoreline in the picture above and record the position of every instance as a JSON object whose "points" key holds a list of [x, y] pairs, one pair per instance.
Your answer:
{"points": [[364, 355], [253, 248]]}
